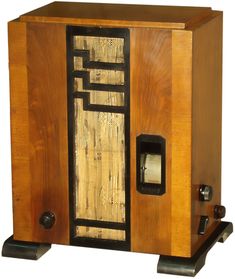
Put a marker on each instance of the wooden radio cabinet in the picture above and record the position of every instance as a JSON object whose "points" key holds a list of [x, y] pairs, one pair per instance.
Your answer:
{"points": [[116, 131]]}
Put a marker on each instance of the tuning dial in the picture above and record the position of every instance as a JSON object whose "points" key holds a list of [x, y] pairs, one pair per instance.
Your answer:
{"points": [[47, 220], [205, 193], [219, 211]]}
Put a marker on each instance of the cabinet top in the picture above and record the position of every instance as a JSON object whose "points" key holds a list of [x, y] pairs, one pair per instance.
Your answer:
{"points": [[119, 15]]}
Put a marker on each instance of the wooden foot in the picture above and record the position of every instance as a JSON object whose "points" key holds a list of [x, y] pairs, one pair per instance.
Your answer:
{"points": [[23, 249], [191, 266]]}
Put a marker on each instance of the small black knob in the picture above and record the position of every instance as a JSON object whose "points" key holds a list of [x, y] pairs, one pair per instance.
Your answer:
{"points": [[219, 211], [47, 220], [205, 193]]}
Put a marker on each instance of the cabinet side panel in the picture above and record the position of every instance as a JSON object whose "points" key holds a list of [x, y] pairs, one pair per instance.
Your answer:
{"points": [[48, 129], [206, 132], [181, 143], [150, 114], [22, 222]]}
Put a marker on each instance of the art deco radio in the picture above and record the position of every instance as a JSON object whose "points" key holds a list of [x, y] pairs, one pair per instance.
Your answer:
{"points": [[116, 131]]}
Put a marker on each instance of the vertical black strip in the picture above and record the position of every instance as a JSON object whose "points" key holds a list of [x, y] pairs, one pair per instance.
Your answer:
{"points": [[69, 38], [105, 32], [127, 136]]}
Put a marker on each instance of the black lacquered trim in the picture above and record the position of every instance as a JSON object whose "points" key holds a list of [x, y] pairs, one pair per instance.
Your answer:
{"points": [[96, 86], [85, 54], [100, 224], [93, 107], [71, 53]]}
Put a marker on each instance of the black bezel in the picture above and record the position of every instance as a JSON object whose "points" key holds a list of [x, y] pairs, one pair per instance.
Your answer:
{"points": [[151, 188]]}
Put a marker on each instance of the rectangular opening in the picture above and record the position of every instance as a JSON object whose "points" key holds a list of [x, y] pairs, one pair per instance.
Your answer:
{"points": [[150, 164]]}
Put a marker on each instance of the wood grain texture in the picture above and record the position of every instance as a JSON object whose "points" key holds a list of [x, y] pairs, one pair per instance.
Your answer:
{"points": [[102, 49], [206, 122], [20, 157], [99, 165], [181, 143], [98, 97], [99, 141], [101, 76], [100, 233], [48, 130], [150, 114], [118, 15]]}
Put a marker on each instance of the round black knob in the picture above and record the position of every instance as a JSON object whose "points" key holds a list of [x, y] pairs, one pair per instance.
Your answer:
{"points": [[47, 220], [219, 211], [205, 193]]}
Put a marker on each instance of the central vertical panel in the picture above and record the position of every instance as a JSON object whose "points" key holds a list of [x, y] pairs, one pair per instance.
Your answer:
{"points": [[98, 78]]}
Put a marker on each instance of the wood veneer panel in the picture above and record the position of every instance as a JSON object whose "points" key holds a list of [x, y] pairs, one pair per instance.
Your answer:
{"points": [[101, 233], [48, 131], [206, 122], [99, 140], [21, 180], [181, 143], [150, 114], [118, 15], [99, 165]]}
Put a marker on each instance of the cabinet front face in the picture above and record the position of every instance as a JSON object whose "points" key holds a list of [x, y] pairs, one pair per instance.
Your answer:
{"points": [[98, 98], [103, 115]]}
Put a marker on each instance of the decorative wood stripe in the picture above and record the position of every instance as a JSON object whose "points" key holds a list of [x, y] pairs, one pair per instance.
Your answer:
{"points": [[21, 178], [103, 76], [87, 85], [181, 143], [107, 98], [98, 47], [87, 63], [92, 232]]}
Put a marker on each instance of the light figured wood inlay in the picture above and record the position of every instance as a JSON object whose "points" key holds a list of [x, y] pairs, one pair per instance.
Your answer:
{"points": [[101, 233], [103, 49], [99, 137], [99, 164], [108, 98], [101, 76]]}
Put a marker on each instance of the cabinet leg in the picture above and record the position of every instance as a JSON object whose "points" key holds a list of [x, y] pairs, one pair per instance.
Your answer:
{"points": [[23, 249], [191, 266]]}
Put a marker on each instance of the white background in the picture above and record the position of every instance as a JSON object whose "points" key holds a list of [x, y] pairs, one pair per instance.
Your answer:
{"points": [[78, 262]]}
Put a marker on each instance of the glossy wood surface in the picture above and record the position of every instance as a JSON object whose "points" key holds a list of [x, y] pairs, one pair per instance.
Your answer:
{"points": [[21, 178], [150, 114], [175, 92], [181, 143], [39, 130], [48, 129], [118, 15], [206, 122]]}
